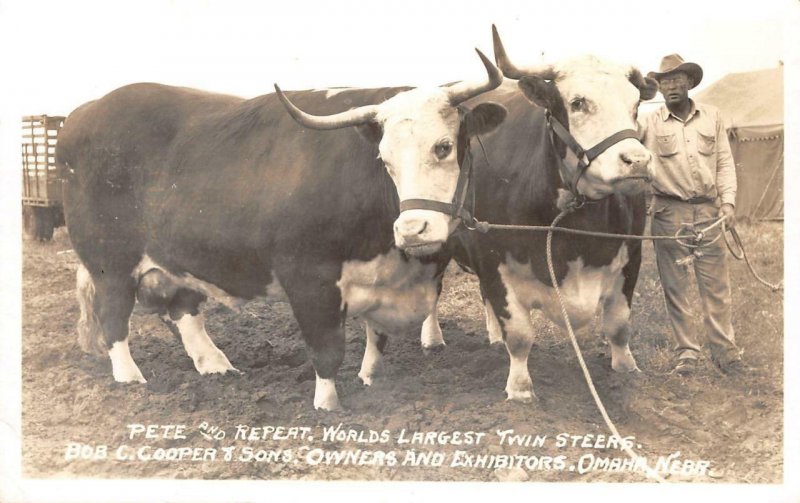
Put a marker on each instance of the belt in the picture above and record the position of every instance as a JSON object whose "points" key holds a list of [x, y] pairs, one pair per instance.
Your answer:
{"points": [[691, 200]]}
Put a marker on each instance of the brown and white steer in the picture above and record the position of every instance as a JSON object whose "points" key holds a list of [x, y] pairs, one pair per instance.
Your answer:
{"points": [[175, 195], [529, 169]]}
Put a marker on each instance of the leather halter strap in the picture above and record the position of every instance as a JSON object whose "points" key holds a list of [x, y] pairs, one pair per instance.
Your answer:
{"points": [[584, 157], [455, 208]]}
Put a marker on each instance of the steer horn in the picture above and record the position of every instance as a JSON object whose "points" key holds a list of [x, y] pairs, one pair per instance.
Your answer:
{"points": [[462, 91], [352, 117], [513, 72]]}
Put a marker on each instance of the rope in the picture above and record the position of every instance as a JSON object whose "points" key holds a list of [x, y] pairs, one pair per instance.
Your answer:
{"points": [[742, 254], [610, 424], [697, 236], [682, 239], [692, 239], [486, 227]]}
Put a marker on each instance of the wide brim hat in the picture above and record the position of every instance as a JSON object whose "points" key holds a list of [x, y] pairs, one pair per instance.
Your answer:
{"points": [[675, 63]]}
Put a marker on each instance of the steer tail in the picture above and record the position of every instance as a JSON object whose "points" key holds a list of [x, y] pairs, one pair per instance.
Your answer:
{"points": [[90, 331]]}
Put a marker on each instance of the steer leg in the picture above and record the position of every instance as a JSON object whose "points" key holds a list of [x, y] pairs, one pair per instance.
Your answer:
{"points": [[317, 305], [518, 333], [493, 328], [617, 330], [207, 357], [373, 353], [106, 301], [431, 335], [180, 311]]}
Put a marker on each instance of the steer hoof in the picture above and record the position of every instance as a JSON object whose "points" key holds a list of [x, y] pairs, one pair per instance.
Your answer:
{"points": [[123, 368], [429, 350], [325, 396], [216, 363], [520, 396], [328, 405], [366, 379], [136, 377], [622, 360], [624, 368]]}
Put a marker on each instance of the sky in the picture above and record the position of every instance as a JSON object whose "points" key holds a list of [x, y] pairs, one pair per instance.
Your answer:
{"points": [[65, 53]]}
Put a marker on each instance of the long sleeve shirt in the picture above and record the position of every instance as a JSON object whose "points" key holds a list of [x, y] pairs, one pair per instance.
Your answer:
{"points": [[692, 157]]}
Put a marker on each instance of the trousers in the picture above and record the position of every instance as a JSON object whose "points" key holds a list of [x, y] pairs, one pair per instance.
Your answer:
{"points": [[711, 272]]}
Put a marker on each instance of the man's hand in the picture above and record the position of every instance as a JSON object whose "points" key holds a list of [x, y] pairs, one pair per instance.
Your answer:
{"points": [[726, 210]]}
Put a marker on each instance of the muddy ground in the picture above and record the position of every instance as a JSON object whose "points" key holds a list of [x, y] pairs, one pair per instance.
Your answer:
{"points": [[69, 398]]}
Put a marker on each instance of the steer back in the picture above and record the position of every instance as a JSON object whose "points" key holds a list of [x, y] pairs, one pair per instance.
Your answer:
{"points": [[192, 176], [175, 195]]}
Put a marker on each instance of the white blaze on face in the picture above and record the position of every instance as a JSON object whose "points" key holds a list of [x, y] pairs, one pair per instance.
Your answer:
{"points": [[418, 147], [600, 101]]}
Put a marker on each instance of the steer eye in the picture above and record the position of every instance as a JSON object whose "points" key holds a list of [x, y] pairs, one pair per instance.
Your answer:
{"points": [[443, 149], [577, 104]]}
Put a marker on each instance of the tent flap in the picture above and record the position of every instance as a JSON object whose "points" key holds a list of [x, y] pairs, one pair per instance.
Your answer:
{"points": [[751, 104]]}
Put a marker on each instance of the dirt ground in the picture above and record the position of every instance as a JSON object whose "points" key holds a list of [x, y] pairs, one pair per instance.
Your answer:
{"points": [[70, 398]]}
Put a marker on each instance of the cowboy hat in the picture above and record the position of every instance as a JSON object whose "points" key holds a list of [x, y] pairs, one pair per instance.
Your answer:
{"points": [[675, 63]]}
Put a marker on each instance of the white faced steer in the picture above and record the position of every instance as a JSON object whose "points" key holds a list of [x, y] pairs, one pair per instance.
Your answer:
{"points": [[423, 137], [571, 128], [175, 195]]}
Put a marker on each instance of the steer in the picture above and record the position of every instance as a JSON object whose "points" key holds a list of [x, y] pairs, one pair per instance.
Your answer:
{"points": [[174, 196], [527, 172]]}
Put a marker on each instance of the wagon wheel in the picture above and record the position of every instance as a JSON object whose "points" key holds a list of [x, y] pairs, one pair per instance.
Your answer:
{"points": [[28, 222], [58, 217], [44, 223]]}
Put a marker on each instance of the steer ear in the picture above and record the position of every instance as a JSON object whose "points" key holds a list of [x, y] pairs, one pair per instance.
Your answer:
{"points": [[484, 118], [539, 91], [371, 131]]}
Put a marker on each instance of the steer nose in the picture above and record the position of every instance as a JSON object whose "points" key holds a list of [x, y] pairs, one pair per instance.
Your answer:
{"points": [[409, 227], [637, 160]]}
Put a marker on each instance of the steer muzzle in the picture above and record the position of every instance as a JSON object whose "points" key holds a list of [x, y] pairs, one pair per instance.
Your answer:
{"points": [[422, 232], [635, 169], [624, 168], [635, 160]]}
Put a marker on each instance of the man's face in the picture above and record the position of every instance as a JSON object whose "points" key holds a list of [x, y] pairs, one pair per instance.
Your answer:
{"points": [[675, 87]]}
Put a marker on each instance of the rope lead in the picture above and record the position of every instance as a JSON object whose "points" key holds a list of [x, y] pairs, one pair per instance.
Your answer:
{"points": [[609, 423], [687, 236]]}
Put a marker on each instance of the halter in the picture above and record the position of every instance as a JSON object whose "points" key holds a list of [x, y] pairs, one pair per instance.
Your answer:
{"points": [[583, 157], [455, 208]]}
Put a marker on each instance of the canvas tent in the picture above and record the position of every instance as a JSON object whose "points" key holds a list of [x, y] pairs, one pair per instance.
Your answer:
{"points": [[752, 107]]}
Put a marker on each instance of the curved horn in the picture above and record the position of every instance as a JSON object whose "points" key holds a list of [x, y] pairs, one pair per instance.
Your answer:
{"points": [[513, 72], [462, 91], [352, 117]]}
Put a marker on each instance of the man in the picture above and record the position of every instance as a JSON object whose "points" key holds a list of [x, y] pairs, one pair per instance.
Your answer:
{"points": [[695, 182]]}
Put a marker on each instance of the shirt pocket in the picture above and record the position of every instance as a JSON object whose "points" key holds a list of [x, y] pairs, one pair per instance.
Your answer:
{"points": [[667, 145], [706, 143]]}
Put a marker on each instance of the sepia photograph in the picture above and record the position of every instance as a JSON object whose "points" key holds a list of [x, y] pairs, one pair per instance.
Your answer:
{"points": [[398, 250]]}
